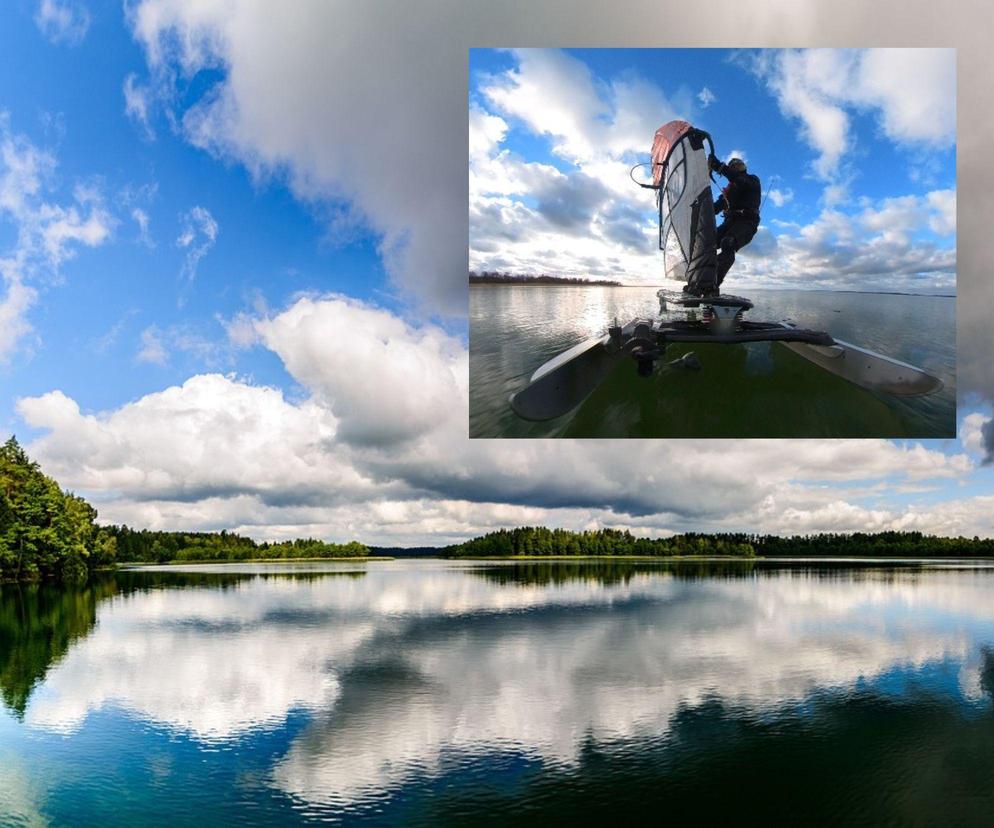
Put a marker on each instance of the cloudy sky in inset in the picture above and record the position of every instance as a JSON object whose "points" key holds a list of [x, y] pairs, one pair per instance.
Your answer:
{"points": [[858, 166]]}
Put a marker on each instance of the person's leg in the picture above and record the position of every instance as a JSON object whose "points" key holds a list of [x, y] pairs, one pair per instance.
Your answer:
{"points": [[726, 254], [732, 238]]}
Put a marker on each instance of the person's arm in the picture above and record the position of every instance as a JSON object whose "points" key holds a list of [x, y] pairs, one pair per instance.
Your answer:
{"points": [[717, 166]]}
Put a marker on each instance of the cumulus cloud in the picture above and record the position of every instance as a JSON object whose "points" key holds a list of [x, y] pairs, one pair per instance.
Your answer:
{"points": [[46, 233], [896, 243], [377, 445], [556, 95], [63, 21], [384, 380], [486, 131], [706, 97], [212, 436]]}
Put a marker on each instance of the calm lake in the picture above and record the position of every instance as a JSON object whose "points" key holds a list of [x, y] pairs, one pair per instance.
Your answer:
{"points": [[748, 390], [425, 692]]}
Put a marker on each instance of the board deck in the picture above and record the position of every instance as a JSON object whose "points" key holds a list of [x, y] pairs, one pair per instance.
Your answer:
{"points": [[723, 300]]}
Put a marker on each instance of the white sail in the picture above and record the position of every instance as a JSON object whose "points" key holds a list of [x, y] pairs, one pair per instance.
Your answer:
{"points": [[686, 211]]}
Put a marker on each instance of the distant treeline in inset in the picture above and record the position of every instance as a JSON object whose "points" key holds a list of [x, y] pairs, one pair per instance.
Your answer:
{"points": [[50, 534], [539, 541], [496, 277]]}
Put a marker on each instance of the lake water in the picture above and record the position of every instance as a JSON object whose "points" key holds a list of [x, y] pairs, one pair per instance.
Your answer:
{"points": [[428, 692], [748, 390]]}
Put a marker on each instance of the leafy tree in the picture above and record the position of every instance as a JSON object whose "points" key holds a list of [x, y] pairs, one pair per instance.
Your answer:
{"points": [[44, 532]]}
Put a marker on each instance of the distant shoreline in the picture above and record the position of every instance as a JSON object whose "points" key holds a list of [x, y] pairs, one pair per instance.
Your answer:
{"points": [[883, 559], [543, 281], [199, 561], [745, 290]]}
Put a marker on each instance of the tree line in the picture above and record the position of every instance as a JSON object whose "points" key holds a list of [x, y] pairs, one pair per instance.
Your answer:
{"points": [[497, 277], [149, 546], [539, 541], [48, 534]]}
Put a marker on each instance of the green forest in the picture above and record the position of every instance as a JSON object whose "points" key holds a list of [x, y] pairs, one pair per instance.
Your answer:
{"points": [[48, 534], [539, 541], [147, 546]]}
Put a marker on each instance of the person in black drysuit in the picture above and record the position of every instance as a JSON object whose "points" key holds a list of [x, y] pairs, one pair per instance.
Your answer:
{"points": [[739, 201]]}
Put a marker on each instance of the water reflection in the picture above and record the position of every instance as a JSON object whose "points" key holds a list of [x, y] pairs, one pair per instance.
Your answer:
{"points": [[411, 674]]}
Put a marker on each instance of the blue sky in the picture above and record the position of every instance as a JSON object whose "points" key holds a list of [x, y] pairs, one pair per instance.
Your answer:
{"points": [[859, 166], [66, 101], [233, 269]]}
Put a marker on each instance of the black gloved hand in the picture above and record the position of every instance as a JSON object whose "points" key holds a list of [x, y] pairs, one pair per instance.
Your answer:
{"points": [[713, 162]]}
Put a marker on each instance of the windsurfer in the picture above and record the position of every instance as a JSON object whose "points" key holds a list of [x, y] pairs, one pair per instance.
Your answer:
{"points": [[739, 202]]}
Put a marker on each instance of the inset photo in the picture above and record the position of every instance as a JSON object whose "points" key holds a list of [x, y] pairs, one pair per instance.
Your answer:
{"points": [[712, 243]]}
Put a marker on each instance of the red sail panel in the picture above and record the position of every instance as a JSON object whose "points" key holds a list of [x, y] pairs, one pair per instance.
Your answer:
{"points": [[666, 136]]}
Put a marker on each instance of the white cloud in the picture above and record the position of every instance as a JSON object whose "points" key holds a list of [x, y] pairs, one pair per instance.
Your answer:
{"points": [[911, 91], [152, 348], [971, 433], [291, 102], [197, 237], [60, 226], [942, 218], [591, 221], [15, 303], [63, 21], [556, 95], [835, 194], [780, 197], [383, 136], [142, 220], [47, 234], [384, 380], [212, 436], [706, 97], [486, 131], [914, 91], [138, 104], [884, 246]]}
